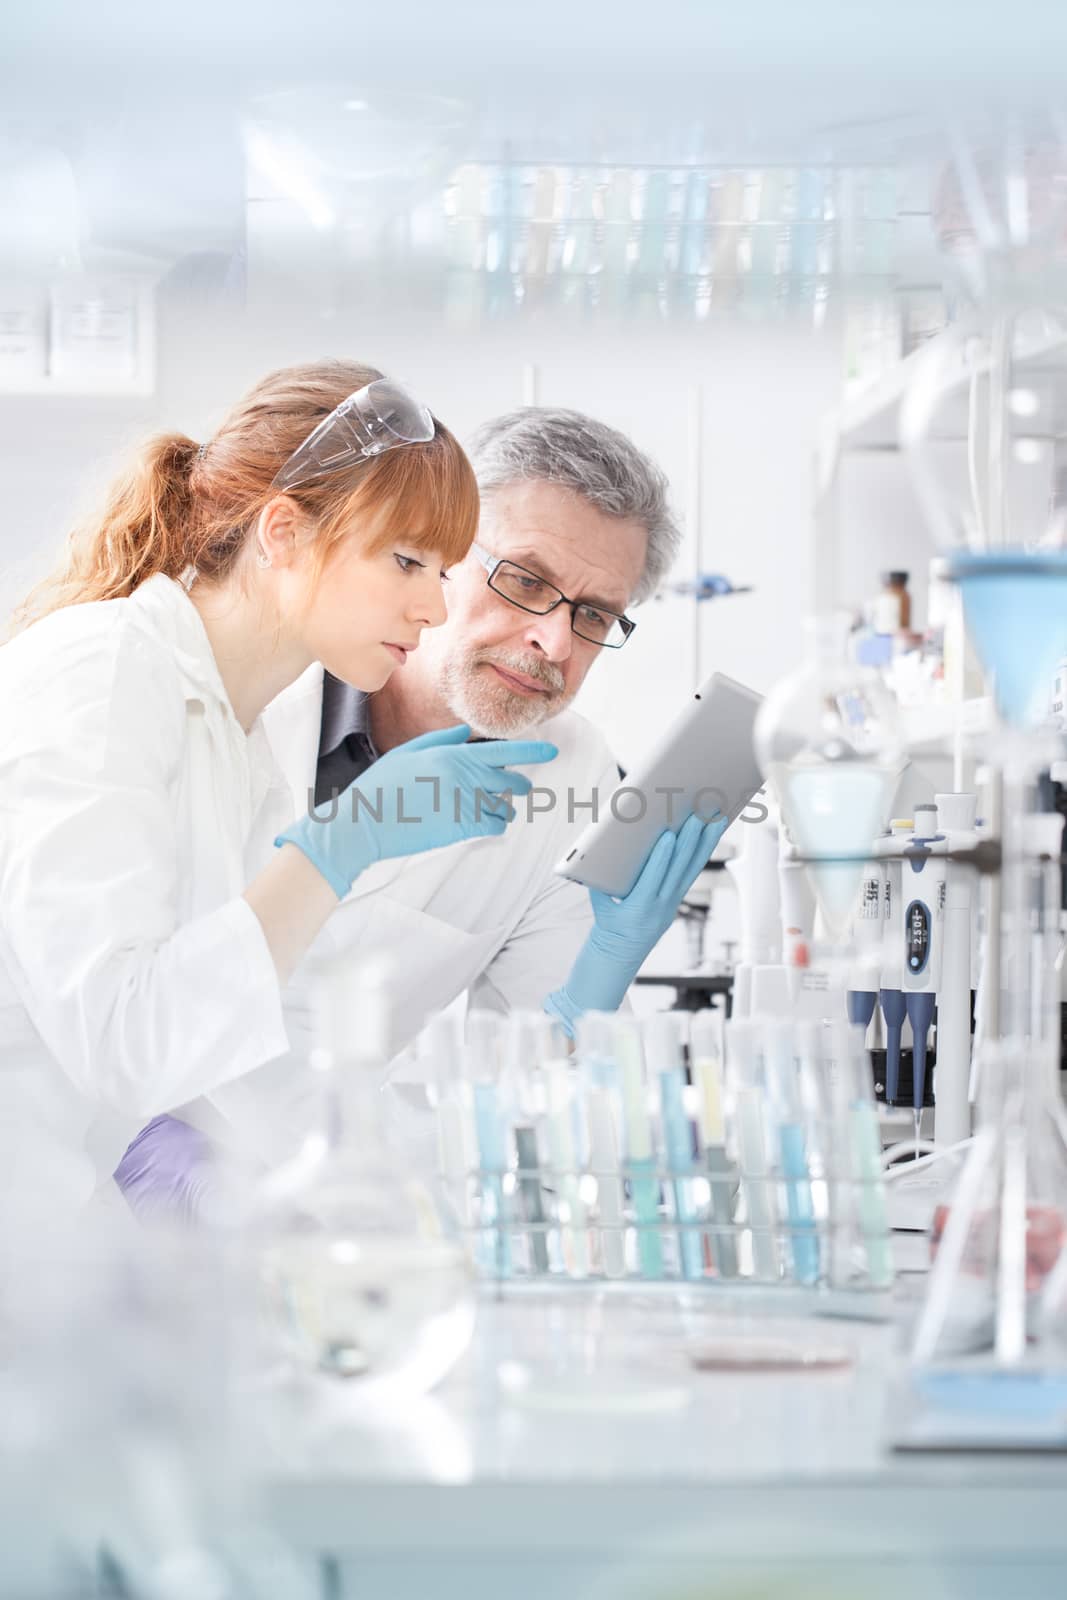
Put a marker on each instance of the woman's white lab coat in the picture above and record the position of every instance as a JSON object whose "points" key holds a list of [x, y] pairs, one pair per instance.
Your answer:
{"points": [[133, 976]]}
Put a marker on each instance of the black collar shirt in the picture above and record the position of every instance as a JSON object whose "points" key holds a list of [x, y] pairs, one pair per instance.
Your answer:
{"points": [[346, 748]]}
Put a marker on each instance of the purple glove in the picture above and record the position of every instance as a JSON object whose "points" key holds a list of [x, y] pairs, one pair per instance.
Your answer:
{"points": [[167, 1173]]}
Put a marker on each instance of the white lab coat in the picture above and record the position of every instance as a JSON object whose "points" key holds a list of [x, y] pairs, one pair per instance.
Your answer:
{"points": [[486, 916], [133, 975]]}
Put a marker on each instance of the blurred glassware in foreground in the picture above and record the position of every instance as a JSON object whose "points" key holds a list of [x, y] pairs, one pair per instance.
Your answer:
{"points": [[358, 1280]]}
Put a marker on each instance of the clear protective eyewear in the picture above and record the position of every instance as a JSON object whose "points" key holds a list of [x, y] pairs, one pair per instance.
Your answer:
{"points": [[530, 592], [376, 418]]}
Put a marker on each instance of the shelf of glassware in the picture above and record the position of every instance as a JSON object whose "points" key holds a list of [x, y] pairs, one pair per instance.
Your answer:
{"points": [[869, 419]]}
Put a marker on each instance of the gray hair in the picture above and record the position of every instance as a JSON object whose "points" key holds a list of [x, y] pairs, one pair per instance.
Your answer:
{"points": [[549, 445]]}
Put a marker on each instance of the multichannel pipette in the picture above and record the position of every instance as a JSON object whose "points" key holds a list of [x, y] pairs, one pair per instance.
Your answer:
{"points": [[923, 884]]}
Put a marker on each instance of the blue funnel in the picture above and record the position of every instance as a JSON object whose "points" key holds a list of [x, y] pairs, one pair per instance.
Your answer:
{"points": [[1015, 607]]}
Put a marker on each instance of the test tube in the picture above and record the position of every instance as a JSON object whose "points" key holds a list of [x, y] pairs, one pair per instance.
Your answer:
{"points": [[561, 1088], [483, 1066], [857, 1155], [595, 1042], [665, 1053], [528, 1043], [440, 1047], [783, 1086], [640, 1163], [706, 1057], [744, 1069]]}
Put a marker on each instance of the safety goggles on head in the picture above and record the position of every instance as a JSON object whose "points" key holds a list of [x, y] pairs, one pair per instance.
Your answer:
{"points": [[530, 592], [379, 417]]}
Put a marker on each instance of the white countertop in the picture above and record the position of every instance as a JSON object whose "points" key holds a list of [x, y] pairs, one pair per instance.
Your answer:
{"points": [[718, 1465]]}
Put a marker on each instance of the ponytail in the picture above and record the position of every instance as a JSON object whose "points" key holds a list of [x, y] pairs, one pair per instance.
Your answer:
{"points": [[145, 526]]}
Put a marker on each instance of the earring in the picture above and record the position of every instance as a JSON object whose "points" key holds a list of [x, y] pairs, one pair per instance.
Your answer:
{"points": [[262, 558]]}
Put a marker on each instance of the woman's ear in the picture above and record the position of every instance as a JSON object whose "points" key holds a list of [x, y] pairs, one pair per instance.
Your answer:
{"points": [[278, 532]]}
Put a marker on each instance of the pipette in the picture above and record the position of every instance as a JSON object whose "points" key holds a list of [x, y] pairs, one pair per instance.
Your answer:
{"points": [[923, 885]]}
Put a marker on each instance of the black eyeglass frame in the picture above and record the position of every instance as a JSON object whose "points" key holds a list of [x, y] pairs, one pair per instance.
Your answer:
{"points": [[492, 565]]}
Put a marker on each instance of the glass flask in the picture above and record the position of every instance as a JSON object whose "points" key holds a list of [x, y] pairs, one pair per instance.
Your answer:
{"points": [[828, 742], [359, 1280], [999, 1242]]}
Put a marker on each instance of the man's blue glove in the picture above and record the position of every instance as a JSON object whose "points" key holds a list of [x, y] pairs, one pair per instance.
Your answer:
{"points": [[430, 792], [625, 931]]}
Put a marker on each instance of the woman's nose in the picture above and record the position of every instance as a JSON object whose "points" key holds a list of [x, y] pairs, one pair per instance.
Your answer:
{"points": [[432, 609]]}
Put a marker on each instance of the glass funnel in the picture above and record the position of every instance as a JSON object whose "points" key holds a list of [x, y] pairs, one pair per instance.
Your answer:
{"points": [[359, 1281], [827, 740]]}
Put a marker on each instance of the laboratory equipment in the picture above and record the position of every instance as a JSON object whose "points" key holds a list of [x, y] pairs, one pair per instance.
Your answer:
{"points": [[665, 1051], [754, 870], [891, 613], [923, 887], [491, 1094], [993, 387], [746, 1078], [638, 1148], [891, 994], [672, 1149], [956, 816], [528, 1046], [827, 739], [595, 1049], [860, 1235], [791, 1153], [707, 1056], [867, 930], [358, 1279]]}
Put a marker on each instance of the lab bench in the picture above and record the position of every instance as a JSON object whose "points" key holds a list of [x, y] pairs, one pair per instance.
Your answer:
{"points": [[620, 1470]]}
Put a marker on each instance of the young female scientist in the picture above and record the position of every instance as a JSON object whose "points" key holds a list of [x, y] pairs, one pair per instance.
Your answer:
{"points": [[141, 961]]}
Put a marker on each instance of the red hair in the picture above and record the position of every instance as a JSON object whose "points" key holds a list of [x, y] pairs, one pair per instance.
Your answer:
{"points": [[175, 507]]}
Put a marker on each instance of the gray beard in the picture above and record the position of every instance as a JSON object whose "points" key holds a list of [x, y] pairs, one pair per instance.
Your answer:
{"points": [[490, 708]]}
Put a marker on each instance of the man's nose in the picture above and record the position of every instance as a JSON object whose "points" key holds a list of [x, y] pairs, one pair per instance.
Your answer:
{"points": [[551, 634]]}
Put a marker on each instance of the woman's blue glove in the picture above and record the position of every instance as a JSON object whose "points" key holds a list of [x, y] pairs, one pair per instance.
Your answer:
{"points": [[625, 931], [430, 792]]}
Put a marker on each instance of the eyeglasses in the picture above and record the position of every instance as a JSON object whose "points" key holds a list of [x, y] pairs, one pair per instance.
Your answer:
{"points": [[529, 592], [378, 417]]}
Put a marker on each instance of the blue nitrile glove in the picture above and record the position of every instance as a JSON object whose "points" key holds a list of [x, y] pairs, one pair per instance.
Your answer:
{"points": [[625, 931], [430, 792]]}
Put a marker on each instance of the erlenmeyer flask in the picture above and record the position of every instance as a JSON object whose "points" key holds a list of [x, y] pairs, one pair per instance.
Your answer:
{"points": [[827, 740], [359, 1280], [1000, 1237]]}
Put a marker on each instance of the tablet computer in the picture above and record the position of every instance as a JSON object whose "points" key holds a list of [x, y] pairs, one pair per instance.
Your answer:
{"points": [[705, 763]]}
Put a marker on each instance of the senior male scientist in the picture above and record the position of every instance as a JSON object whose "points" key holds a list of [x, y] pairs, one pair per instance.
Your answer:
{"points": [[576, 529]]}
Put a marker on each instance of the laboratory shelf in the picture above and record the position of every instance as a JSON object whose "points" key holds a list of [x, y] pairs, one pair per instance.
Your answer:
{"points": [[870, 418], [626, 1467]]}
